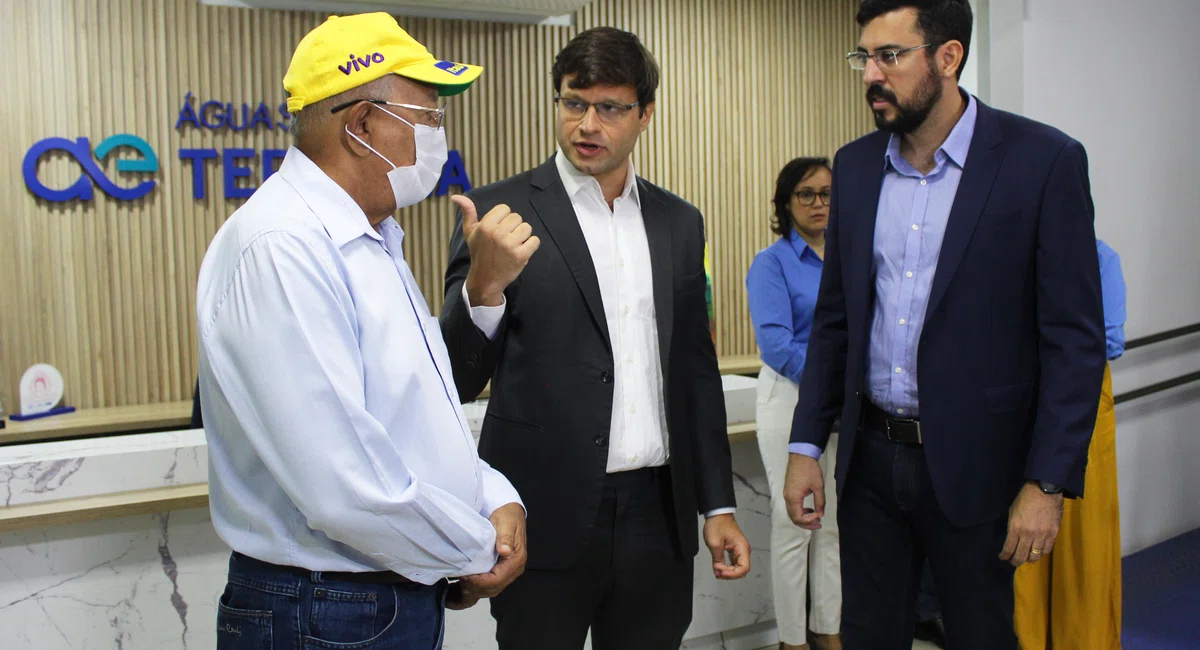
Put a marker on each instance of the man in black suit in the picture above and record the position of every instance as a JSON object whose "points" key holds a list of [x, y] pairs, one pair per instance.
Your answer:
{"points": [[959, 332], [606, 408]]}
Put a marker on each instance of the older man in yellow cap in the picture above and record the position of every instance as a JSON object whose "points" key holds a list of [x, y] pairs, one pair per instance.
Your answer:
{"points": [[342, 471]]}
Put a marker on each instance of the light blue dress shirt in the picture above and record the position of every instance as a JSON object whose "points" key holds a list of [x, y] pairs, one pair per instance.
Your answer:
{"points": [[335, 436], [1112, 291], [910, 222], [782, 286], [909, 225]]}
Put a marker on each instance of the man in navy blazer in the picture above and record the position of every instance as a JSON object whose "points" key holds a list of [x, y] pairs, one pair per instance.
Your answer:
{"points": [[959, 332]]}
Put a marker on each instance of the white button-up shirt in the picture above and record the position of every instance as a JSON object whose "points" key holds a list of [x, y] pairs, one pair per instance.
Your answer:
{"points": [[616, 239], [336, 439]]}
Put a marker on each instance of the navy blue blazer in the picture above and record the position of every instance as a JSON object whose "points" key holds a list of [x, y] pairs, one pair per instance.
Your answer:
{"points": [[1011, 358]]}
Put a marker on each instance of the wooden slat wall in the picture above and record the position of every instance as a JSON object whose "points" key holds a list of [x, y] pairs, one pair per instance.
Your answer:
{"points": [[105, 290]]}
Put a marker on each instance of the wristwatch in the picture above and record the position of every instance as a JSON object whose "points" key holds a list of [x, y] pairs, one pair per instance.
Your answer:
{"points": [[1049, 488]]}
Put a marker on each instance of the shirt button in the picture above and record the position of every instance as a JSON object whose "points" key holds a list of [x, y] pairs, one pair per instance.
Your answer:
{"points": [[898, 370], [908, 275], [902, 321], [922, 181], [633, 409], [606, 377], [626, 311], [629, 359], [916, 227]]}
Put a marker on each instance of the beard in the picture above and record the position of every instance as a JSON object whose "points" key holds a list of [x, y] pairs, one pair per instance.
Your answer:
{"points": [[909, 115]]}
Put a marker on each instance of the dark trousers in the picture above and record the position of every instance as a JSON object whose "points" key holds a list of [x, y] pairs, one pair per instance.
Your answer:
{"points": [[631, 587], [890, 524], [928, 608], [266, 606]]}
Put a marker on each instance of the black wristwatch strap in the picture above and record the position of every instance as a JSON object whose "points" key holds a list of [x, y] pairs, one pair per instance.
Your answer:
{"points": [[1049, 488]]}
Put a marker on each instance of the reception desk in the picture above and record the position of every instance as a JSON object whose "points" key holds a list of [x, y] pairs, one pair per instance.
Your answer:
{"points": [[106, 543]]}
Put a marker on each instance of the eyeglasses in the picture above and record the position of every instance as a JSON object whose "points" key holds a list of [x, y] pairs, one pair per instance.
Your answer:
{"points": [[608, 112], [809, 197], [883, 58], [433, 116]]}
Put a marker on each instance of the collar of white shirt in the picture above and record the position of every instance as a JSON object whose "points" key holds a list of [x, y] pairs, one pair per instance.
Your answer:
{"points": [[576, 181], [339, 214]]}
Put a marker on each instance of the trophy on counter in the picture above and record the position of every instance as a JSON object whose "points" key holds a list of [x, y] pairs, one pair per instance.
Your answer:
{"points": [[41, 392]]}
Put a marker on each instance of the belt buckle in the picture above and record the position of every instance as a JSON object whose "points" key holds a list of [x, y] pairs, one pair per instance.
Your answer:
{"points": [[917, 423]]}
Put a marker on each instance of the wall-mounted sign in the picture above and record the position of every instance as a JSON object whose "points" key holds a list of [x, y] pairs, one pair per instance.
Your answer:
{"points": [[237, 164], [81, 150]]}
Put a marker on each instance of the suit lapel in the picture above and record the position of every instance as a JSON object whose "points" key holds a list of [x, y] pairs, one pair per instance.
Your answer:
{"points": [[658, 236], [983, 161], [556, 213], [862, 215]]}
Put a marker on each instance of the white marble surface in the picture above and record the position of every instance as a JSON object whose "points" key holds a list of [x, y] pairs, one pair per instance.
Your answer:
{"points": [[132, 583], [740, 395], [76, 468], [151, 582]]}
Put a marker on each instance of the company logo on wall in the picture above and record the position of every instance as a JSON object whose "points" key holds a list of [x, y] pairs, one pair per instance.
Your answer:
{"points": [[81, 151], [217, 118]]}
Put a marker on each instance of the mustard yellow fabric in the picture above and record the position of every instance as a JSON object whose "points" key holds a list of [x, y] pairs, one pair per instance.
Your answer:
{"points": [[1071, 599]]}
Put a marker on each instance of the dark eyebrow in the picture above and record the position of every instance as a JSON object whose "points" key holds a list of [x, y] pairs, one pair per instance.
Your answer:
{"points": [[609, 100], [881, 48]]}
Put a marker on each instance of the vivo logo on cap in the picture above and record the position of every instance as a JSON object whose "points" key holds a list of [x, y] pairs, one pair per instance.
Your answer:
{"points": [[455, 69], [355, 63]]}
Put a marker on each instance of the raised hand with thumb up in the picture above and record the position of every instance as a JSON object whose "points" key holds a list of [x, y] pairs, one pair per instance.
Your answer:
{"points": [[501, 244]]}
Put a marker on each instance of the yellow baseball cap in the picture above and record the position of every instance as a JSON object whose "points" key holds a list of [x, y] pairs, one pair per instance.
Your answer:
{"points": [[346, 52]]}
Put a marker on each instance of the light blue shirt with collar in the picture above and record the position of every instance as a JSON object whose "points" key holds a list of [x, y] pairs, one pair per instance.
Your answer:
{"points": [[335, 436], [914, 209], [910, 222]]}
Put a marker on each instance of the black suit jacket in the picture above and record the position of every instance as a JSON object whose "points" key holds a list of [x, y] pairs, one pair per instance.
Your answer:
{"points": [[551, 366], [1011, 357]]}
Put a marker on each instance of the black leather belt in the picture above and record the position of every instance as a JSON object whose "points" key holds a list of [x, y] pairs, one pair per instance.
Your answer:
{"points": [[366, 577], [903, 430]]}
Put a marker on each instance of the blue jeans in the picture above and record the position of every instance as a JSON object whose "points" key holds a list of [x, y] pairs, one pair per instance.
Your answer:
{"points": [[266, 607]]}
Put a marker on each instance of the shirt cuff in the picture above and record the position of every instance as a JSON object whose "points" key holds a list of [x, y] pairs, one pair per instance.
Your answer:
{"points": [[487, 319], [497, 492], [719, 511], [805, 449]]}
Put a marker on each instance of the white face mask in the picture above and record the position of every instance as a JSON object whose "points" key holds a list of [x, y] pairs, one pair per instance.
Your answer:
{"points": [[410, 185]]}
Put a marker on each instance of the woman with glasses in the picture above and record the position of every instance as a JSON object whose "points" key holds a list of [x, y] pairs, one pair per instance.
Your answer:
{"points": [[782, 287]]}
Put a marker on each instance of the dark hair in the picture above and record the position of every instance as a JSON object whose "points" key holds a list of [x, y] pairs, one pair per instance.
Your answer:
{"points": [[789, 177], [606, 56], [939, 21]]}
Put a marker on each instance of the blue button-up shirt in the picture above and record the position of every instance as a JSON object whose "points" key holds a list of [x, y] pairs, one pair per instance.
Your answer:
{"points": [[1112, 291], [782, 287], [911, 220], [335, 437]]}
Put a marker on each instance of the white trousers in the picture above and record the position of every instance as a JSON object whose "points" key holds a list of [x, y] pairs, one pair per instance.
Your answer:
{"points": [[798, 556]]}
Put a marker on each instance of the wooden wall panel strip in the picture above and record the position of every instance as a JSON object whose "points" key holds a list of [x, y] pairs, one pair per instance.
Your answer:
{"points": [[105, 289]]}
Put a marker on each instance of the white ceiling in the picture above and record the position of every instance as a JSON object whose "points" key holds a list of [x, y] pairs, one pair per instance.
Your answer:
{"points": [[552, 12]]}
